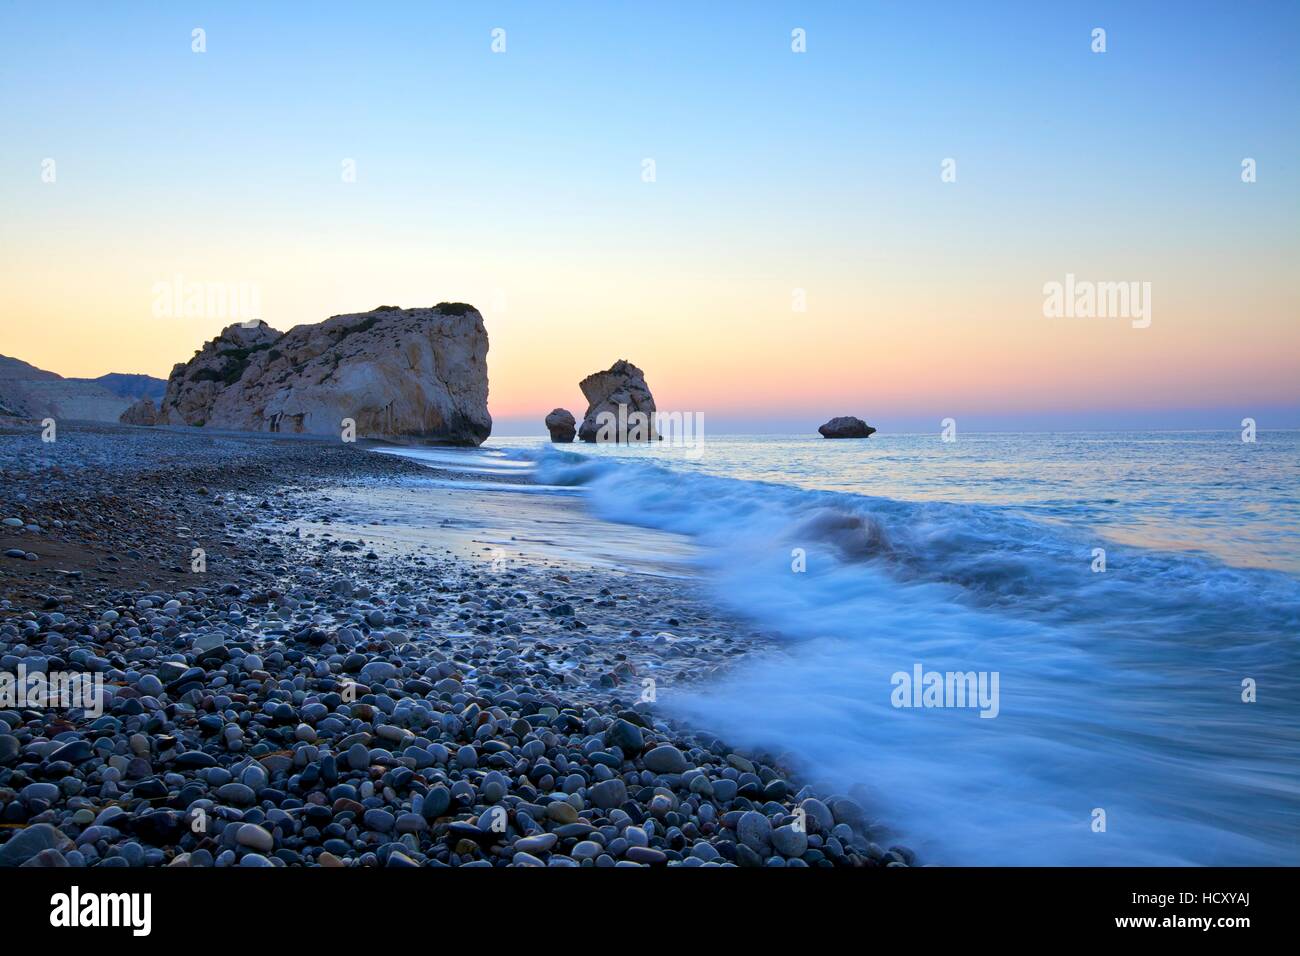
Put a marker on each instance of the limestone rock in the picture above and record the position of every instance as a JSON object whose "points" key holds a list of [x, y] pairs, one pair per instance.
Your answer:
{"points": [[617, 399], [562, 425], [143, 412], [416, 374], [846, 426]]}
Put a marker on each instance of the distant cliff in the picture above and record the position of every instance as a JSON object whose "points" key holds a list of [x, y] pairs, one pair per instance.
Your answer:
{"points": [[30, 392], [418, 374], [130, 387]]}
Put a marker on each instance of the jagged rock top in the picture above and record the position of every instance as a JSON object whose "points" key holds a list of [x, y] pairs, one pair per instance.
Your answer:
{"points": [[623, 384]]}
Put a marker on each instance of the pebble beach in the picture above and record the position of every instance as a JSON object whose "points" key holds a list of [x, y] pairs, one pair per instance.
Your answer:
{"points": [[309, 699]]}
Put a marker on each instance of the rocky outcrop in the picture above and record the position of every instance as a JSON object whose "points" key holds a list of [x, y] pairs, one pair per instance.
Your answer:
{"points": [[846, 426], [143, 412], [30, 392], [619, 405], [562, 425], [414, 374]]}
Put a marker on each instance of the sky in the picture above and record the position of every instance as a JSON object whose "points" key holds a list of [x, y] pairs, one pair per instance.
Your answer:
{"points": [[803, 248]]}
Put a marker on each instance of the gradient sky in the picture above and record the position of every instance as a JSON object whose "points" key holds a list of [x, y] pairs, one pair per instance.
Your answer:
{"points": [[514, 181]]}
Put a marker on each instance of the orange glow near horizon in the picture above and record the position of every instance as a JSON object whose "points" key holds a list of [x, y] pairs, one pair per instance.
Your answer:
{"points": [[713, 346]]}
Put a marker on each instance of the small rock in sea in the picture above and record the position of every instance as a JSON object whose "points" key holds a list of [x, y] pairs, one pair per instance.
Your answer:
{"points": [[562, 425], [846, 426]]}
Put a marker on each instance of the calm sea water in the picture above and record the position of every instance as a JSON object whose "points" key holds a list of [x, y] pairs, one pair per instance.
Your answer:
{"points": [[1205, 492], [1120, 690]]}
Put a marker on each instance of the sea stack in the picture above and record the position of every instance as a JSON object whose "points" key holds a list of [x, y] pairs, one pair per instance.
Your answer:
{"points": [[846, 426], [562, 426], [398, 374], [619, 405]]}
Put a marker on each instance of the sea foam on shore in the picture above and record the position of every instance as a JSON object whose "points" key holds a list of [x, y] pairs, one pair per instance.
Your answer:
{"points": [[1120, 691]]}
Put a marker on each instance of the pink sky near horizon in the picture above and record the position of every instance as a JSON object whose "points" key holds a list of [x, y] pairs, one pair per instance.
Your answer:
{"points": [[751, 356]]}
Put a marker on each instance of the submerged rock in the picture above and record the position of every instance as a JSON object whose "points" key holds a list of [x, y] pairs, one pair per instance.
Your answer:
{"points": [[396, 373], [846, 426], [620, 407], [562, 425]]}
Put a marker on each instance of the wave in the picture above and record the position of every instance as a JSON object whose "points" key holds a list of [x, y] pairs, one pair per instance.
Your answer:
{"points": [[1121, 691]]}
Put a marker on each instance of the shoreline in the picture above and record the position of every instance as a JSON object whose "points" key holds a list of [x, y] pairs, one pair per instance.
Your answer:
{"points": [[474, 688]]}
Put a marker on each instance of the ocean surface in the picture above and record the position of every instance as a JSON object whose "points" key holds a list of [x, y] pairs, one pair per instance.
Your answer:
{"points": [[1121, 735]]}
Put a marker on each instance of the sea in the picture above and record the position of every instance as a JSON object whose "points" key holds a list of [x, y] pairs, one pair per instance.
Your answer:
{"points": [[1126, 603]]}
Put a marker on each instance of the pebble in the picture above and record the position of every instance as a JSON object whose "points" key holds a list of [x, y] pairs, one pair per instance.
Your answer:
{"points": [[254, 837], [754, 831], [665, 759]]}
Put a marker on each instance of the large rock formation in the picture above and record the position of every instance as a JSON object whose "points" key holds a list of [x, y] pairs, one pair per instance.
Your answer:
{"points": [[29, 392], [562, 425], [416, 374], [846, 426], [623, 385]]}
